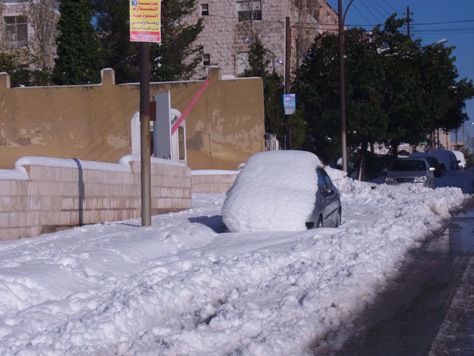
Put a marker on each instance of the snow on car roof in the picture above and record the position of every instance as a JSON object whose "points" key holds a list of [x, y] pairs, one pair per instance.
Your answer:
{"points": [[275, 191]]}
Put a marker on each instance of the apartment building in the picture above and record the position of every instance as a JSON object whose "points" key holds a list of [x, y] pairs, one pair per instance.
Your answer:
{"points": [[29, 26], [230, 26], [15, 27]]}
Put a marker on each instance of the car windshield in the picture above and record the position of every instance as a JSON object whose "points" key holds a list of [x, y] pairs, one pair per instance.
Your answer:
{"points": [[432, 161], [408, 165]]}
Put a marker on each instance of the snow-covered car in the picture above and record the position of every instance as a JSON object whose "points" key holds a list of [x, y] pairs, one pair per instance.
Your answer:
{"points": [[415, 170], [282, 191]]}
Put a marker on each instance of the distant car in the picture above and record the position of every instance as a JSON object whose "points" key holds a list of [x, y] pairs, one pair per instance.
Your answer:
{"points": [[439, 168], [415, 170], [445, 157], [461, 159], [282, 191]]}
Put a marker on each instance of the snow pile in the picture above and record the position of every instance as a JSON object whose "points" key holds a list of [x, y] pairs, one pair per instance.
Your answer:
{"points": [[182, 287]]}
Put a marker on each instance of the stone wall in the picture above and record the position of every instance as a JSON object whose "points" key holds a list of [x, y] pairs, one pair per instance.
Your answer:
{"points": [[228, 41], [45, 194], [213, 182]]}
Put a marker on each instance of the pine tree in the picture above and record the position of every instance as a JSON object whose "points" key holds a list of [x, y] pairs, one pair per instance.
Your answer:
{"points": [[178, 56], [260, 61], [175, 58], [79, 54], [119, 53]]}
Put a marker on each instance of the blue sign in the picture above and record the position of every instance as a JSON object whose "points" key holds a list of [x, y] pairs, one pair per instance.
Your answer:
{"points": [[289, 102]]}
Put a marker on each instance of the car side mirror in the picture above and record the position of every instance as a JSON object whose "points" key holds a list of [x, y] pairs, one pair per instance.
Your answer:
{"points": [[327, 190]]}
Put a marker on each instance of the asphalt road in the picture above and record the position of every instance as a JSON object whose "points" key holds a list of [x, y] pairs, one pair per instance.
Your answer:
{"points": [[428, 310]]}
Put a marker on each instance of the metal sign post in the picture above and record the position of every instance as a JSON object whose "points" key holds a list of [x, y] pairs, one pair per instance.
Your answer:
{"points": [[145, 133], [145, 27]]}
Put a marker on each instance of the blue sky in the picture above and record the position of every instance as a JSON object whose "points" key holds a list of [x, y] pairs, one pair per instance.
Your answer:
{"points": [[432, 20]]}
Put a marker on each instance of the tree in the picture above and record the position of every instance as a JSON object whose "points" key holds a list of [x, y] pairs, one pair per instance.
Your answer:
{"points": [[422, 93], [365, 80], [112, 22], [396, 90], [260, 60], [17, 65], [43, 16], [316, 86], [178, 56], [175, 58], [79, 51]]}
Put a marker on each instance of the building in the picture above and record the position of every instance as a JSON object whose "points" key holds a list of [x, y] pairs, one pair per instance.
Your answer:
{"points": [[14, 28], [28, 29], [230, 26]]}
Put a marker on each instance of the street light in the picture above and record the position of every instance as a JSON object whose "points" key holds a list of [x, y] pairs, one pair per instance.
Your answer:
{"points": [[342, 83]]}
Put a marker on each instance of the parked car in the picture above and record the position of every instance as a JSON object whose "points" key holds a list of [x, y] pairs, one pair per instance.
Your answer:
{"points": [[461, 159], [415, 170], [446, 157], [440, 169], [282, 191]]}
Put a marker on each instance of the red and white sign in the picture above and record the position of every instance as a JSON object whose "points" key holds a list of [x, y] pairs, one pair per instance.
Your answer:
{"points": [[145, 21]]}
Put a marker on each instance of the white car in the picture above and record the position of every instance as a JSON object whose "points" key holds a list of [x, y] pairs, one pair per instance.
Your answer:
{"points": [[282, 191], [461, 159]]}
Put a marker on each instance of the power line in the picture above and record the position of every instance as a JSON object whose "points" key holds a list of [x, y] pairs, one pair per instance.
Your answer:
{"points": [[464, 30], [443, 23], [374, 11], [415, 26], [378, 8], [390, 5]]}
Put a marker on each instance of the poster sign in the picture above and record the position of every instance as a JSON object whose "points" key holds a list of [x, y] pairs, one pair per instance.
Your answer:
{"points": [[145, 21], [289, 102]]}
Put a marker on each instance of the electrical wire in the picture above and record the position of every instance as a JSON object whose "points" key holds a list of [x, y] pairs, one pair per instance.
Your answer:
{"points": [[376, 9]]}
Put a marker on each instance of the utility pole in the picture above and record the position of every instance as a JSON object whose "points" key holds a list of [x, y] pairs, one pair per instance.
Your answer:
{"points": [[287, 75], [408, 21], [342, 82], [145, 132]]}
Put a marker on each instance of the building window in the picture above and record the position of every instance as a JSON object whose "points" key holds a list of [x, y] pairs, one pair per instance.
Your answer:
{"points": [[249, 10], [206, 59], [16, 31], [205, 9]]}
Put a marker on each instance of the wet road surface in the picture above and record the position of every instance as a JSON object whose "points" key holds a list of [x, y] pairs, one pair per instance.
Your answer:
{"points": [[429, 310]]}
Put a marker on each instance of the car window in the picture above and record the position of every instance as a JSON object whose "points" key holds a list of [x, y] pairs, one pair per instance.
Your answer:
{"points": [[408, 165], [324, 182]]}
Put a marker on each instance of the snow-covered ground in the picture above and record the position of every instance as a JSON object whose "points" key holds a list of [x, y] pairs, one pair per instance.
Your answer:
{"points": [[182, 287]]}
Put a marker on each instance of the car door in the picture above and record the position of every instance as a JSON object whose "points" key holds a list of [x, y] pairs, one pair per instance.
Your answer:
{"points": [[329, 198]]}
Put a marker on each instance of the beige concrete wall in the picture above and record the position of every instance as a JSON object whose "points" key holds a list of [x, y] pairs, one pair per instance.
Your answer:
{"points": [[43, 194], [93, 122]]}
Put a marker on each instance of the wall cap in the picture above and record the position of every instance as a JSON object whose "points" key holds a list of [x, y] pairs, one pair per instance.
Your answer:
{"points": [[108, 76], [5, 82]]}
